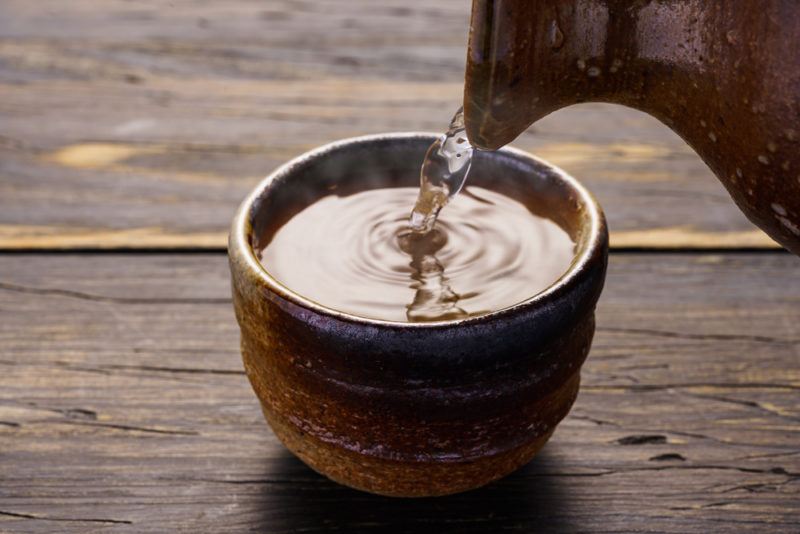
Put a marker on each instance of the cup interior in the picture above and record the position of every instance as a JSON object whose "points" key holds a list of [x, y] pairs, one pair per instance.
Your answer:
{"points": [[394, 160]]}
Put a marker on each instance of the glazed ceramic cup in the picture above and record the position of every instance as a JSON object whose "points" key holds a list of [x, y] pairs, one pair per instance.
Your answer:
{"points": [[415, 409]]}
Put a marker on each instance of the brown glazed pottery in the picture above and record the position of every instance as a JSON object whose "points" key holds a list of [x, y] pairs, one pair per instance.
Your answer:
{"points": [[415, 409], [723, 74]]}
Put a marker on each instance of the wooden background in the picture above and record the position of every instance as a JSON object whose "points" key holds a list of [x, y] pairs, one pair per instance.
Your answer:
{"points": [[129, 132]]}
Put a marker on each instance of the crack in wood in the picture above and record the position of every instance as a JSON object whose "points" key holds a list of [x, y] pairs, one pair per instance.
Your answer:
{"points": [[127, 428], [645, 439], [749, 404], [702, 506], [668, 457], [84, 417], [72, 413], [749, 470], [66, 519], [702, 337], [102, 298], [762, 487], [728, 519], [79, 413], [709, 385], [769, 455], [594, 420], [178, 370]]}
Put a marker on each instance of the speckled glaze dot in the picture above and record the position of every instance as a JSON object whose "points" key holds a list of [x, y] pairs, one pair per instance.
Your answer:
{"points": [[792, 227]]}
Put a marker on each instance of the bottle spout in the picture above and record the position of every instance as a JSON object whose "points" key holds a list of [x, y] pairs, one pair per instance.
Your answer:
{"points": [[504, 90], [723, 76], [484, 130]]}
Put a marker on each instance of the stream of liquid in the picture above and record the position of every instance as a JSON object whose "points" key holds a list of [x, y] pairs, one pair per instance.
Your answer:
{"points": [[444, 173]]}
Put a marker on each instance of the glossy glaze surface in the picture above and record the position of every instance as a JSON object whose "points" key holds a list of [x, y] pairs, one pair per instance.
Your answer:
{"points": [[415, 409], [724, 75]]}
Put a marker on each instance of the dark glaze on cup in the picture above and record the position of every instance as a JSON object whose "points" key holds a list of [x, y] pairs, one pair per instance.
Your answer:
{"points": [[415, 409], [723, 74]]}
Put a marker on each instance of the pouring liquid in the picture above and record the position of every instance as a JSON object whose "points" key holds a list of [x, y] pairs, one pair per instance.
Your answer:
{"points": [[362, 254], [444, 173]]}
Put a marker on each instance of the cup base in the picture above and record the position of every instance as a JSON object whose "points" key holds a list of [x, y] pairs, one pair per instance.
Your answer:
{"points": [[393, 478]]}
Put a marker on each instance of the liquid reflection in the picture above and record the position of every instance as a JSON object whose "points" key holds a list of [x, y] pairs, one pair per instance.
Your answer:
{"points": [[434, 300]]}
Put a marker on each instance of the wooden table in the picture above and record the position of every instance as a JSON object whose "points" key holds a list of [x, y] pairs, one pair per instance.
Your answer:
{"points": [[129, 132]]}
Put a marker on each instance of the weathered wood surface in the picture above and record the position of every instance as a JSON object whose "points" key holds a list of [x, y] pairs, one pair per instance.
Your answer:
{"points": [[143, 124], [123, 405], [124, 408]]}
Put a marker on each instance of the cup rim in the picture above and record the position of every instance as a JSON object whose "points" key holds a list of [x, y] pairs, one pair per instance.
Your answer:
{"points": [[587, 248]]}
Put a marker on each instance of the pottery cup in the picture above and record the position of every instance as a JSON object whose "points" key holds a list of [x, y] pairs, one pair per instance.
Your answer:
{"points": [[415, 409]]}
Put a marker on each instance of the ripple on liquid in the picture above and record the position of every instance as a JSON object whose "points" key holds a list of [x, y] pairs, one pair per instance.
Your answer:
{"points": [[356, 254]]}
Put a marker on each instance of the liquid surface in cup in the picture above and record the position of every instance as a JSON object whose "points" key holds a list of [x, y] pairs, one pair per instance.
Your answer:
{"points": [[357, 254]]}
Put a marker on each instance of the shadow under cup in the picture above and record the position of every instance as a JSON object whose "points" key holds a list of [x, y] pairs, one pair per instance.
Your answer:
{"points": [[415, 409]]}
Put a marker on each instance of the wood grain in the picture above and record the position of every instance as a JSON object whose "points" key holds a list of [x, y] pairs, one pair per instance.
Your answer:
{"points": [[123, 404], [143, 124], [124, 408]]}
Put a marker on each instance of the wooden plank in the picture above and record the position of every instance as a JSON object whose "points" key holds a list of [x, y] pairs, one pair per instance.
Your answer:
{"points": [[144, 124], [123, 407]]}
